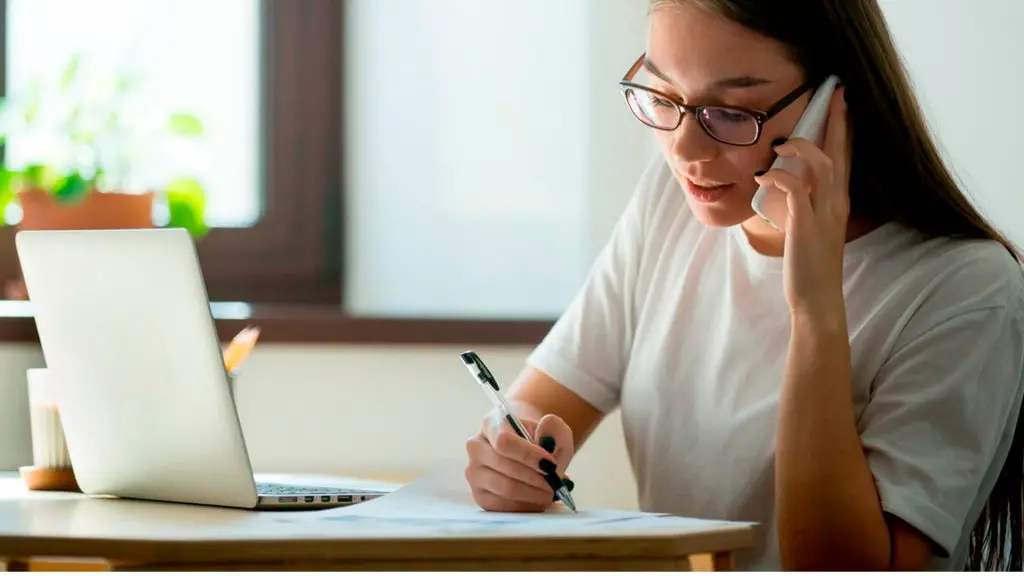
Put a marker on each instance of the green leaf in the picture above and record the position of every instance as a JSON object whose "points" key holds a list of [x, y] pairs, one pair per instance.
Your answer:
{"points": [[186, 125], [72, 188], [33, 101], [39, 176], [111, 120], [186, 202], [123, 84], [70, 71], [7, 192]]}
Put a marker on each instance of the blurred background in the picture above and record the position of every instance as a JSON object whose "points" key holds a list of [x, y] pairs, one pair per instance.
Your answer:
{"points": [[384, 183]]}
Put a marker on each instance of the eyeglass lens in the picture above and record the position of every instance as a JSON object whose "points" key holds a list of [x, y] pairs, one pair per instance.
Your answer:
{"points": [[725, 124]]}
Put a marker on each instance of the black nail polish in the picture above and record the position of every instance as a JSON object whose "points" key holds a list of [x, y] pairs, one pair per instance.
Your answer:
{"points": [[547, 443], [778, 142], [760, 173], [547, 466]]}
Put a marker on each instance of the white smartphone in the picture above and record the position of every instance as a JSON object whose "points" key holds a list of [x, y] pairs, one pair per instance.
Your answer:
{"points": [[771, 204]]}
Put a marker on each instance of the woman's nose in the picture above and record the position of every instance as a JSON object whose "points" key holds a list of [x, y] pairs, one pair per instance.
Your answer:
{"points": [[691, 143]]}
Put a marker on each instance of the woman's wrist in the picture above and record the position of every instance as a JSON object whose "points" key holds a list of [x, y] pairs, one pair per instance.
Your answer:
{"points": [[819, 346], [823, 320]]}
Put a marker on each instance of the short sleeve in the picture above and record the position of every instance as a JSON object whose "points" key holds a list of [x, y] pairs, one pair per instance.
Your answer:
{"points": [[587, 347], [946, 402]]}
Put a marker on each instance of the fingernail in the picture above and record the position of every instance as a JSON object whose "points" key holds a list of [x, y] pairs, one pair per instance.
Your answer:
{"points": [[547, 466], [547, 443], [760, 173], [778, 142]]}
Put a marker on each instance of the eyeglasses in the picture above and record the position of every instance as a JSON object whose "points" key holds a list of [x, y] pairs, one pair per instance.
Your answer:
{"points": [[734, 126]]}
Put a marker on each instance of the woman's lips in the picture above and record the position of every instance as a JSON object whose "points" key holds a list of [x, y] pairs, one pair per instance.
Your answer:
{"points": [[707, 193]]}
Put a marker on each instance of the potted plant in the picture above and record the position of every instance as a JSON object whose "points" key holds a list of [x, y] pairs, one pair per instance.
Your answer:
{"points": [[90, 153]]}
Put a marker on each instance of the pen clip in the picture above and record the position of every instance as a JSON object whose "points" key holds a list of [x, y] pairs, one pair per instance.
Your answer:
{"points": [[484, 377], [484, 374]]}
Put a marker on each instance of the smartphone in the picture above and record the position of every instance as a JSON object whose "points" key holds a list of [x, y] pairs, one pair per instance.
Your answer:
{"points": [[771, 204]]}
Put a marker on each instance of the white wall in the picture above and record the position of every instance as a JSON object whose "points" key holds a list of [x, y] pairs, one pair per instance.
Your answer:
{"points": [[354, 410], [964, 57], [488, 151]]}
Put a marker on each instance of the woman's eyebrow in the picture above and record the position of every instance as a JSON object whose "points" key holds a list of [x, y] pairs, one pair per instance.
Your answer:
{"points": [[718, 85]]}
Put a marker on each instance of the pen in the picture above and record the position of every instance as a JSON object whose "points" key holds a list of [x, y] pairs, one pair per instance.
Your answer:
{"points": [[486, 380]]}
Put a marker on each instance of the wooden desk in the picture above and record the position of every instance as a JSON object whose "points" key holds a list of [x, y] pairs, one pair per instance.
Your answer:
{"points": [[135, 535]]}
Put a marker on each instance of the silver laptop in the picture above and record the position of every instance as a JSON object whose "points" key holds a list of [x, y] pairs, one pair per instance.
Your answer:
{"points": [[125, 323]]}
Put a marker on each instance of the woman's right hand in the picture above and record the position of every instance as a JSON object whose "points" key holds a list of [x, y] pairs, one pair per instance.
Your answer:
{"points": [[504, 470]]}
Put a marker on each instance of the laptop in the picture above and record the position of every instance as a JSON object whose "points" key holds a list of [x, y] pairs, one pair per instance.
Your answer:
{"points": [[125, 324]]}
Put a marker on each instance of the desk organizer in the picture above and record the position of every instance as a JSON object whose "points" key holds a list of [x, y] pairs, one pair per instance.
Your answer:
{"points": [[52, 469], [55, 479]]}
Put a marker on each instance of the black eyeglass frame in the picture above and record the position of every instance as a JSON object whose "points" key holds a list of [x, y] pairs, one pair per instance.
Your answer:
{"points": [[760, 116]]}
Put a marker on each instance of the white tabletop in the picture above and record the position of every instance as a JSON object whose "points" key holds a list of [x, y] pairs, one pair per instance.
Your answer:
{"points": [[72, 515], [41, 524], [132, 531]]}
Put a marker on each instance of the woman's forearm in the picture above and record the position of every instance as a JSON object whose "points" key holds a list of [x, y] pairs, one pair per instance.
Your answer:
{"points": [[524, 410], [537, 394], [829, 514]]}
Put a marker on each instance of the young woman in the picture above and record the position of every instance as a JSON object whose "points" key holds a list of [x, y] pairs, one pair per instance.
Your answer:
{"points": [[852, 383]]}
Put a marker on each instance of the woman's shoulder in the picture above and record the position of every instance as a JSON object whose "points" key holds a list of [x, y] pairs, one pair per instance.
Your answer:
{"points": [[975, 262], [960, 273]]}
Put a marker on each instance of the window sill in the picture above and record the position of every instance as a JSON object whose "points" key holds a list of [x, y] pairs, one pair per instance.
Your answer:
{"points": [[322, 324]]}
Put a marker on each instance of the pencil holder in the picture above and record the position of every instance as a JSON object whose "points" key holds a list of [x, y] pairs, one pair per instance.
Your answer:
{"points": [[51, 469]]}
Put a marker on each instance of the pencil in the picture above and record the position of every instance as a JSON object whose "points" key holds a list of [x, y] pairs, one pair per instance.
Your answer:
{"points": [[239, 349]]}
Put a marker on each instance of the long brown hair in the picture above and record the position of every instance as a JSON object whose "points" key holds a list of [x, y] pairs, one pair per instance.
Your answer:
{"points": [[897, 174]]}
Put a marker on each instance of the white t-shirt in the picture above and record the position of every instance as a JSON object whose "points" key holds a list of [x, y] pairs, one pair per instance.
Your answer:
{"points": [[686, 329]]}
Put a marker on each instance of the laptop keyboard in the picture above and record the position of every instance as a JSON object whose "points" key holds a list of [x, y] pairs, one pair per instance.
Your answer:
{"points": [[272, 489]]}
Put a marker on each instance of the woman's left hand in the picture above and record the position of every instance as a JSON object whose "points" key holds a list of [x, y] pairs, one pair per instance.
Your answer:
{"points": [[819, 207]]}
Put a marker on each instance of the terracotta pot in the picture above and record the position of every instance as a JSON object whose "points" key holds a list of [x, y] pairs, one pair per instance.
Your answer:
{"points": [[97, 211]]}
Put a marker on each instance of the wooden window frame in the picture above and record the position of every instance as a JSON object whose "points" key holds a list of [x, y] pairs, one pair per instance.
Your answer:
{"points": [[289, 265]]}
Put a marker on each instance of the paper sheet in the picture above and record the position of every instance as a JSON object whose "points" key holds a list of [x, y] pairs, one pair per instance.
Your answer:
{"points": [[440, 502]]}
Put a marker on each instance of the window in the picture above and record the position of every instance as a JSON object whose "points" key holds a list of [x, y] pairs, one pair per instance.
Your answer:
{"points": [[214, 74], [264, 77], [488, 152]]}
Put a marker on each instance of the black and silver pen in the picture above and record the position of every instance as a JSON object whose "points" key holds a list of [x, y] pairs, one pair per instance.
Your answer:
{"points": [[486, 380]]}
